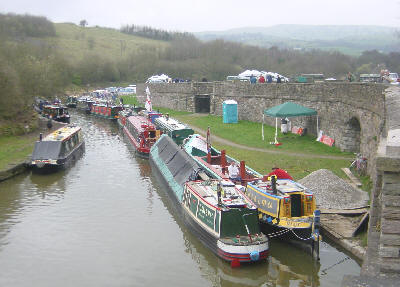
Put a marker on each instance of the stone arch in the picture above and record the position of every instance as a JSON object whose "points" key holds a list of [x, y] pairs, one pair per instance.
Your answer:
{"points": [[352, 136]]}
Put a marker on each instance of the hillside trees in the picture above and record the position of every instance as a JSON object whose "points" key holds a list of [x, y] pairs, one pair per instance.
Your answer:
{"points": [[27, 68], [20, 26]]}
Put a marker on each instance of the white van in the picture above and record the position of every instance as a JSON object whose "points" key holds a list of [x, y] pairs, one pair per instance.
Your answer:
{"points": [[394, 78]]}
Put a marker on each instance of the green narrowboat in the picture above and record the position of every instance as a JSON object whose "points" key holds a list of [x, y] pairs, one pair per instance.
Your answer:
{"points": [[173, 128]]}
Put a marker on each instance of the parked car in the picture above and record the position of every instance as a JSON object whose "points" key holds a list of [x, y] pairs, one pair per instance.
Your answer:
{"points": [[394, 79]]}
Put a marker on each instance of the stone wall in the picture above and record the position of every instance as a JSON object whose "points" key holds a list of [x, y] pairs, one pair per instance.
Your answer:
{"points": [[351, 113], [383, 254], [354, 114]]}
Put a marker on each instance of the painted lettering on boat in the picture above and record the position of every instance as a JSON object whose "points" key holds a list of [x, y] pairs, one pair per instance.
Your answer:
{"points": [[206, 214], [290, 223], [265, 204]]}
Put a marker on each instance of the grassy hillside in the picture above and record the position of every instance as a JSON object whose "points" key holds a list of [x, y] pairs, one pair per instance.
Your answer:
{"points": [[75, 42], [351, 40]]}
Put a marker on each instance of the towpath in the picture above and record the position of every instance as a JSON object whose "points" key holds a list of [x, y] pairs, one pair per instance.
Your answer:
{"points": [[297, 154]]}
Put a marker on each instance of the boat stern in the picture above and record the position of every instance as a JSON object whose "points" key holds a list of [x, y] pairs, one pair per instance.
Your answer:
{"points": [[243, 249]]}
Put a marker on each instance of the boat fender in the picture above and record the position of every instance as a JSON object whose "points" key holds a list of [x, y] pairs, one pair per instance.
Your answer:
{"points": [[255, 255]]}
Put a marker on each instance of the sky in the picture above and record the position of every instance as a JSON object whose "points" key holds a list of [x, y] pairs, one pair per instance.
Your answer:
{"points": [[210, 15]]}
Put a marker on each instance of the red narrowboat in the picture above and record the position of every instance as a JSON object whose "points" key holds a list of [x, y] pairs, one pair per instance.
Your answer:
{"points": [[106, 111], [141, 133]]}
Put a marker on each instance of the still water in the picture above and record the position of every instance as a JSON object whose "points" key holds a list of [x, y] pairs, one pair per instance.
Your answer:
{"points": [[107, 222]]}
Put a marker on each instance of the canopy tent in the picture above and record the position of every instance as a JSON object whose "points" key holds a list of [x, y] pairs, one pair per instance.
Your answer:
{"points": [[287, 110]]}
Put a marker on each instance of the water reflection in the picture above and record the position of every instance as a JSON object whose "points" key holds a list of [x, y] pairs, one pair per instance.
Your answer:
{"points": [[286, 265], [106, 222]]}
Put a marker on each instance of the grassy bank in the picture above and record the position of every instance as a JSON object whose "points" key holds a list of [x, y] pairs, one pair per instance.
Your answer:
{"points": [[299, 155], [130, 100], [15, 149]]}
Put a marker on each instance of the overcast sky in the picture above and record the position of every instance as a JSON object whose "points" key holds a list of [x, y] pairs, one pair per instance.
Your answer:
{"points": [[208, 15]]}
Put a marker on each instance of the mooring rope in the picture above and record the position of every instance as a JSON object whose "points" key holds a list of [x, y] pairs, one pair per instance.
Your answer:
{"points": [[323, 272]]}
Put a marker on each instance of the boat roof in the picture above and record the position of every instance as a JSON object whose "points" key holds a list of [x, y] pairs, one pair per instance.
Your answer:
{"points": [[171, 123], [141, 123], [54, 107], [284, 186], [231, 196], [62, 133]]}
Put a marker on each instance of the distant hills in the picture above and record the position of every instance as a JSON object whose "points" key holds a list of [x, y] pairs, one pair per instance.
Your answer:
{"points": [[351, 40]]}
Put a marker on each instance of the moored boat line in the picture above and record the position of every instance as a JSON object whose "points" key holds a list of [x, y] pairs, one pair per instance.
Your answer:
{"points": [[218, 213], [287, 209], [291, 214]]}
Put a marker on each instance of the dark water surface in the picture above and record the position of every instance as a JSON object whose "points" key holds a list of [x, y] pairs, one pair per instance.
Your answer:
{"points": [[107, 222]]}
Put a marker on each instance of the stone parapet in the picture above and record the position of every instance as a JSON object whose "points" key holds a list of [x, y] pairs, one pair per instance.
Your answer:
{"points": [[386, 196]]}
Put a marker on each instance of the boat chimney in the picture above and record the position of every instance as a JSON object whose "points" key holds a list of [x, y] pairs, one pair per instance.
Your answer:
{"points": [[219, 194], [242, 170], [40, 137], [223, 161], [273, 184]]}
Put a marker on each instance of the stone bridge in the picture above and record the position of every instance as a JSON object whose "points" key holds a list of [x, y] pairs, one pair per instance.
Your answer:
{"points": [[350, 113], [360, 117]]}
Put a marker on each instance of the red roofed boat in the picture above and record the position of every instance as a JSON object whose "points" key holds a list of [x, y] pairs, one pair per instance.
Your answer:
{"points": [[141, 133]]}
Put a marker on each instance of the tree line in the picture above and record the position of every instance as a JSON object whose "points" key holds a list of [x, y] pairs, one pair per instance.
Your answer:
{"points": [[31, 66], [152, 33]]}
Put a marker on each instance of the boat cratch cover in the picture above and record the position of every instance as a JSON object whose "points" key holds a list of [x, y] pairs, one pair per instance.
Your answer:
{"points": [[181, 166], [47, 150]]}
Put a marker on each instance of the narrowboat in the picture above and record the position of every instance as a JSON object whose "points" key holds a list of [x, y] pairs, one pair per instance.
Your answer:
{"points": [[141, 133], [126, 112], [288, 211], [123, 115], [299, 224], [56, 112], [214, 161], [72, 102], [222, 217], [58, 150], [105, 110], [173, 128], [85, 104]]}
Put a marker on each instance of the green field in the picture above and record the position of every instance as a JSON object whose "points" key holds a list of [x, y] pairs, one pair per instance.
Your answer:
{"points": [[75, 42], [15, 149], [299, 155]]}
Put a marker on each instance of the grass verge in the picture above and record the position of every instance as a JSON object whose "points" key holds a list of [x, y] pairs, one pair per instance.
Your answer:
{"points": [[249, 134], [15, 149]]}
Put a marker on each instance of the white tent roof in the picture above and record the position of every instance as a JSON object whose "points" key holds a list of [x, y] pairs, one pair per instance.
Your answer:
{"points": [[249, 73]]}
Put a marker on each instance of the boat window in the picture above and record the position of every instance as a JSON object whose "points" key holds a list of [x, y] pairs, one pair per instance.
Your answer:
{"points": [[63, 150], [74, 140]]}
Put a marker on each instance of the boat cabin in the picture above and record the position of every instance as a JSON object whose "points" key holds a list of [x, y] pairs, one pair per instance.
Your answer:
{"points": [[288, 199], [173, 128], [141, 132], [58, 148], [57, 113]]}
